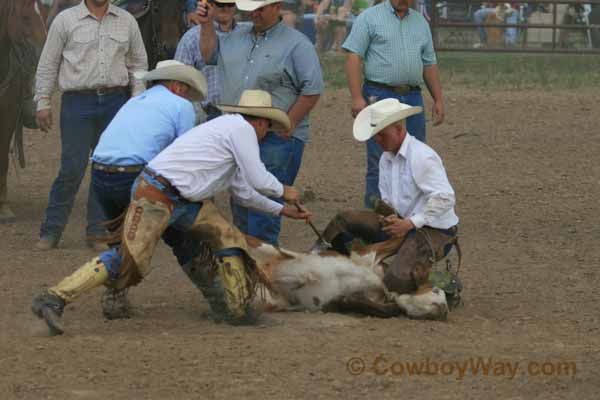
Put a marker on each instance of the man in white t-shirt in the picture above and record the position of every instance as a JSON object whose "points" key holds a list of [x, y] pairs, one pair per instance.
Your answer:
{"points": [[174, 191]]}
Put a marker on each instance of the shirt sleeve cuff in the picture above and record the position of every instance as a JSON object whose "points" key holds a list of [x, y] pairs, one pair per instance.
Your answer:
{"points": [[418, 220], [279, 191], [274, 207], [354, 50]]}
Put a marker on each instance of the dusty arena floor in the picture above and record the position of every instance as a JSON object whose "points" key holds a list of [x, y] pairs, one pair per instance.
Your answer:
{"points": [[525, 169]]}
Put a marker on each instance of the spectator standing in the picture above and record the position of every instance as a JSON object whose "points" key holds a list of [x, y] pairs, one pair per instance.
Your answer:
{"points": [[271, 56], [499, 14], [188, 50], [330, 21], [391, 47], [92, 51]]}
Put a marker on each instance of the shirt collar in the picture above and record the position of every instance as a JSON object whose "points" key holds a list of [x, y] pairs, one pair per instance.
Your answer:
{"points": [[272, 30], [388, 5], [404, 147], [85, 12], [218, 27]]}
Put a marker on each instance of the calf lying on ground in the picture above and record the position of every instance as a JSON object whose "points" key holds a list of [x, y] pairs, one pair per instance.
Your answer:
{"points": [[326, 280]]}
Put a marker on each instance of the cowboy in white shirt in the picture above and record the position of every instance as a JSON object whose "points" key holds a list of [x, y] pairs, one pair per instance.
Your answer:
{"points": [[175, 191], [417, 199]]}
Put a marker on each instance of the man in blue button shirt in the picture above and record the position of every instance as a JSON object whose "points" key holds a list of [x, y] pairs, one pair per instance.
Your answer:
{"points": [[391, 47], [142, 128], [270, 56]]}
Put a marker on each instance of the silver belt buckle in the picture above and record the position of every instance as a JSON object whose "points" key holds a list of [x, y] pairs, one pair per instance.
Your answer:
{"points": [[100, 91]]}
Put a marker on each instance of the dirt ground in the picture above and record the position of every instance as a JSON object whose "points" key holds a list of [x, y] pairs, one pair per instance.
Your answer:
{"points": [[525, 170]]}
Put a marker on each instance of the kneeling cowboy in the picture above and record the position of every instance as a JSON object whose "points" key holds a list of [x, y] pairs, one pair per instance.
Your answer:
{"points": [[174, 191], [142, 128], [417, 203]]}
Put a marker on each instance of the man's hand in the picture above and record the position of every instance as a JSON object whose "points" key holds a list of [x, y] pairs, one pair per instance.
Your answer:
{"points": [[396, 226], [204, 12], [44, 119], [291, 194], [288, 134], [437, 113], [295, 213], [357, 106], [193, 18]]}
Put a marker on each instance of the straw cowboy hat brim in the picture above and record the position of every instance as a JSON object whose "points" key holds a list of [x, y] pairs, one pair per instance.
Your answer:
{"points": [[279, 120], [251, 5], [258, 103], [171, 70], [376, 117]]}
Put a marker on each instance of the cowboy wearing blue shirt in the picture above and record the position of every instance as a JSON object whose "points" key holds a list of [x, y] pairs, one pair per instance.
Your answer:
{"points": [[142, 128]]}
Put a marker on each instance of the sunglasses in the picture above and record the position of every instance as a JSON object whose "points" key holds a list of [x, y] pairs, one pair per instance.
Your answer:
{"points": [[222, 5]]}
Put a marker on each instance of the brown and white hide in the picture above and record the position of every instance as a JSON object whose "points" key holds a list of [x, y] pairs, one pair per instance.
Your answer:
{"points": [[325, 279]]}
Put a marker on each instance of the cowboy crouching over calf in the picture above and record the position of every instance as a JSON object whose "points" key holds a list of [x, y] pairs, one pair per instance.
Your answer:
{"points": [[416, 213], [173, 191]]}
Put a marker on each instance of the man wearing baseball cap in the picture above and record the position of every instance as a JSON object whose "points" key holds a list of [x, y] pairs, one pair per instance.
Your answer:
{"points": [[417, 201]]}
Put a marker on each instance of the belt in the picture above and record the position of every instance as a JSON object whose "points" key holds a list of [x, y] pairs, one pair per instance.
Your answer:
{"points": [[115, 169], [400, 89], [101, 91], [169, 188]]}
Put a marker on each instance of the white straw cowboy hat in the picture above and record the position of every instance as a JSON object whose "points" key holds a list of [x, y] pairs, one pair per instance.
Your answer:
{"points": [[257, 103], [251, 5], [171, 70], [374, 118]]}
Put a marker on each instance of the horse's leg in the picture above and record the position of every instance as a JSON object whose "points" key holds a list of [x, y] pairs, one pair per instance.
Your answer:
{"points": [[6, 133]]}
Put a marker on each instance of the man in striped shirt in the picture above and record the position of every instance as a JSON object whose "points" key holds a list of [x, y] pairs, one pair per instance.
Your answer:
{"points": [[92, 52], [391, 47], [188, 51]]}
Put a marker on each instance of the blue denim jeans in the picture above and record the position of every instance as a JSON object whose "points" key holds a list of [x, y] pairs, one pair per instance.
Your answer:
{"points": [[510, 34], [415, 125], [83, 118], [282, 157], [479, 17], [182, 218], [113, 191]]}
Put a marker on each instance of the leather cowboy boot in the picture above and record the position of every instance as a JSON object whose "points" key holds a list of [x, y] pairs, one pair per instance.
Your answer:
{"points": [[224, 285], [115, 304], [49, 305], [237, 290]]}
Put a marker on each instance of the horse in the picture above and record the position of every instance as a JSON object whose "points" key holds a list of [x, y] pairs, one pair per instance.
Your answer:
{"points": [[22, 36], [161, 23]]}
